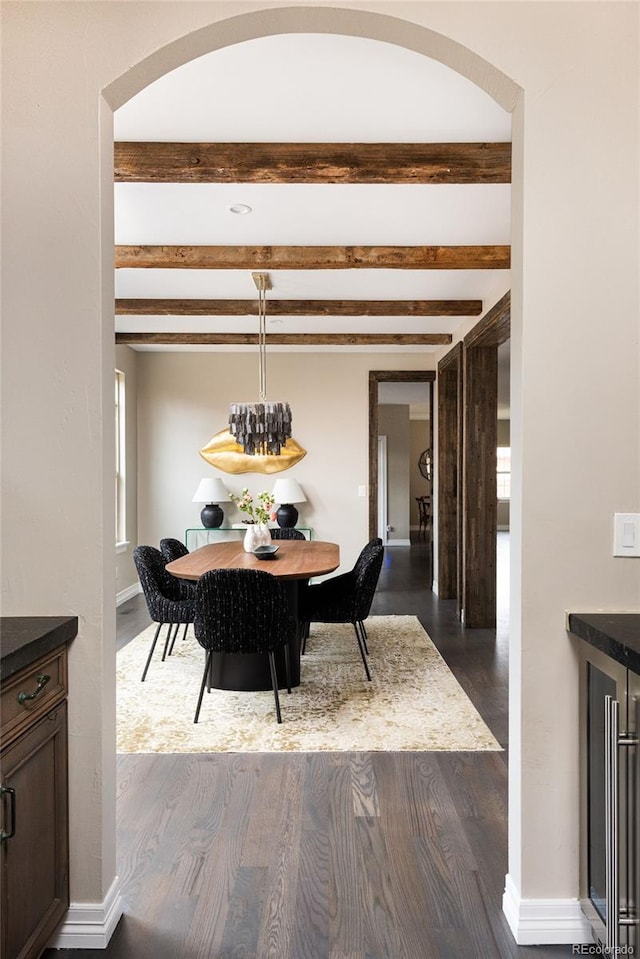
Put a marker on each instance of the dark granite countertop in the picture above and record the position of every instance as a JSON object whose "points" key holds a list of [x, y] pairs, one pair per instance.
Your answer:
{"points": [[616, 634], [24, 639]]}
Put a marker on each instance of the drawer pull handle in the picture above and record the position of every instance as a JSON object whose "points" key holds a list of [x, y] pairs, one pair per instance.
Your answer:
{"points": [[12, 796], [26, 697]]}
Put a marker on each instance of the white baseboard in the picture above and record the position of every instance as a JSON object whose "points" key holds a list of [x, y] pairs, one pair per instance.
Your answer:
{"points": [[127, 593], [398, 542], [538, 922], [90, 925]]}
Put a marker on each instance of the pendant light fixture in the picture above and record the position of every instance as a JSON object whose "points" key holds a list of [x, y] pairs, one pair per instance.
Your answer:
{"points": [[261, 428]]}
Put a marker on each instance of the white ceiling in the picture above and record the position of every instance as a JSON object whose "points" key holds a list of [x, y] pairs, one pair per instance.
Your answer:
{"points": [[311, 88]]}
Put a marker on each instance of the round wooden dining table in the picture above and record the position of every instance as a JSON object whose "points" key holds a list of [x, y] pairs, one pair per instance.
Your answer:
{"points": [[295, 562]]}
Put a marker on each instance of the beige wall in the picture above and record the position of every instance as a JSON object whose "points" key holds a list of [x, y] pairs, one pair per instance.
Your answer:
{"points": [[126, 576], [569, 72], [393, 422], [183, 400]]}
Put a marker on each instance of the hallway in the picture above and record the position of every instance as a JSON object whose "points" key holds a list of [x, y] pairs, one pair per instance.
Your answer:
{"points": [[325, 855]]}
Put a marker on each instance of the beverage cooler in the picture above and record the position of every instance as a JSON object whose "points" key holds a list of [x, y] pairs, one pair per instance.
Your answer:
{"points": [[610, 800]]}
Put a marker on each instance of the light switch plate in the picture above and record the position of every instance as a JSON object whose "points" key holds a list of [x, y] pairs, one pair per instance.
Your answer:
{"points": [[626, 534]]}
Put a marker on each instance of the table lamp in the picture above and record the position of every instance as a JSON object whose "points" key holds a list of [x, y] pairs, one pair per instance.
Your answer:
{"points": [[287, 492], [211, 491]]}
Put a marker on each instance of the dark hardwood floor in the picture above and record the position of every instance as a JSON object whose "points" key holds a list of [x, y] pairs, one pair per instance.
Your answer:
{"points": [[325, 855]]}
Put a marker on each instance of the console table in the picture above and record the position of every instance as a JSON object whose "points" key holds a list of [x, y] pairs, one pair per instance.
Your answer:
{"points": [[198, 536]]}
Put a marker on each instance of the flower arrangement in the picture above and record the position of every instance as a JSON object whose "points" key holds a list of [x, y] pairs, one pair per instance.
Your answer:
{"points": [[258, 510]]}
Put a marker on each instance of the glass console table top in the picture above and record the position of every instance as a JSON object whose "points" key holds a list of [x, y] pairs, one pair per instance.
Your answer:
{"points": [[197, 536]]}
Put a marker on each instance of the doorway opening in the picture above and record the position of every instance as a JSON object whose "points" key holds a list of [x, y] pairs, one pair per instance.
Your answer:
{"points": [[473, 411], [425, 376], [396, 481]]}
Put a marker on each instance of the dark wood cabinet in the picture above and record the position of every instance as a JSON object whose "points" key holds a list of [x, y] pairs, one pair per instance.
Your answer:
{"points": [[34, 849]]}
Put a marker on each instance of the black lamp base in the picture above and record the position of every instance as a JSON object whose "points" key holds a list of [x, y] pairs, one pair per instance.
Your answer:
{"points": [[287, 516], [211, 516]]}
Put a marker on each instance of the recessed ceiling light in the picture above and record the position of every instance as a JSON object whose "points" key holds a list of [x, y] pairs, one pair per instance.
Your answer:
{"points": [[240, 208]]}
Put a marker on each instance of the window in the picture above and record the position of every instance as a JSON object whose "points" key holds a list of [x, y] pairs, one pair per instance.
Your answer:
{"points": [[121, 525], [504, 472]]}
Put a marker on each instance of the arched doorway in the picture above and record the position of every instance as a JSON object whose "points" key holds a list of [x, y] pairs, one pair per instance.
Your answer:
{"points": [[294, 20]]}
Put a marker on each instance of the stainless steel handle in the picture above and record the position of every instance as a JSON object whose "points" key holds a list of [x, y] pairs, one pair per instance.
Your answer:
{"points": [[632, 739], [629, 915], [635, 798], [611, 821]]}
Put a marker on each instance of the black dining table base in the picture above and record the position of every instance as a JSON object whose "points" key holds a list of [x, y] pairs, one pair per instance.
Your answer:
{"points": [[249, 672]]}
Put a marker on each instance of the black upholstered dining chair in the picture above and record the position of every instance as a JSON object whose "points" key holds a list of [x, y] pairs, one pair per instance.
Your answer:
{"points": [[169, 600], [286, 532], [243, 611], [173, 549], [345, 598]]}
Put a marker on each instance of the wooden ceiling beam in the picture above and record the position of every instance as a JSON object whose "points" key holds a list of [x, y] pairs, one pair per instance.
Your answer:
{"points": [[159, 307], [284, 339], [312, 162], [313, 257]]}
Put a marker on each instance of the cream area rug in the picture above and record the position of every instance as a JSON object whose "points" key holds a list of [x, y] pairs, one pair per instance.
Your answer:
{"points": [[413, 702]]}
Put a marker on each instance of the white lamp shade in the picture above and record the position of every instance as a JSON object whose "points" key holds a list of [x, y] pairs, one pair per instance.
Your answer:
{"points": [[211, 490], [288, 491]]}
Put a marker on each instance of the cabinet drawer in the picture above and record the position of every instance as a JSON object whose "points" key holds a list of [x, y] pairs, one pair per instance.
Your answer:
{"points": [[32, 692], [34, 857]]}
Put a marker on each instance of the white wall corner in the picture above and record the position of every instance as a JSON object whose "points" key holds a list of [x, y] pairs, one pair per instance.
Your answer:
{"points": [[537, 922], [90, 925], [434, 587], [128, 593]]}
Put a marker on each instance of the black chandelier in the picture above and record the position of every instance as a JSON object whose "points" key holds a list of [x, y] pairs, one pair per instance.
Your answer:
{"points": [[261, 428]]}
